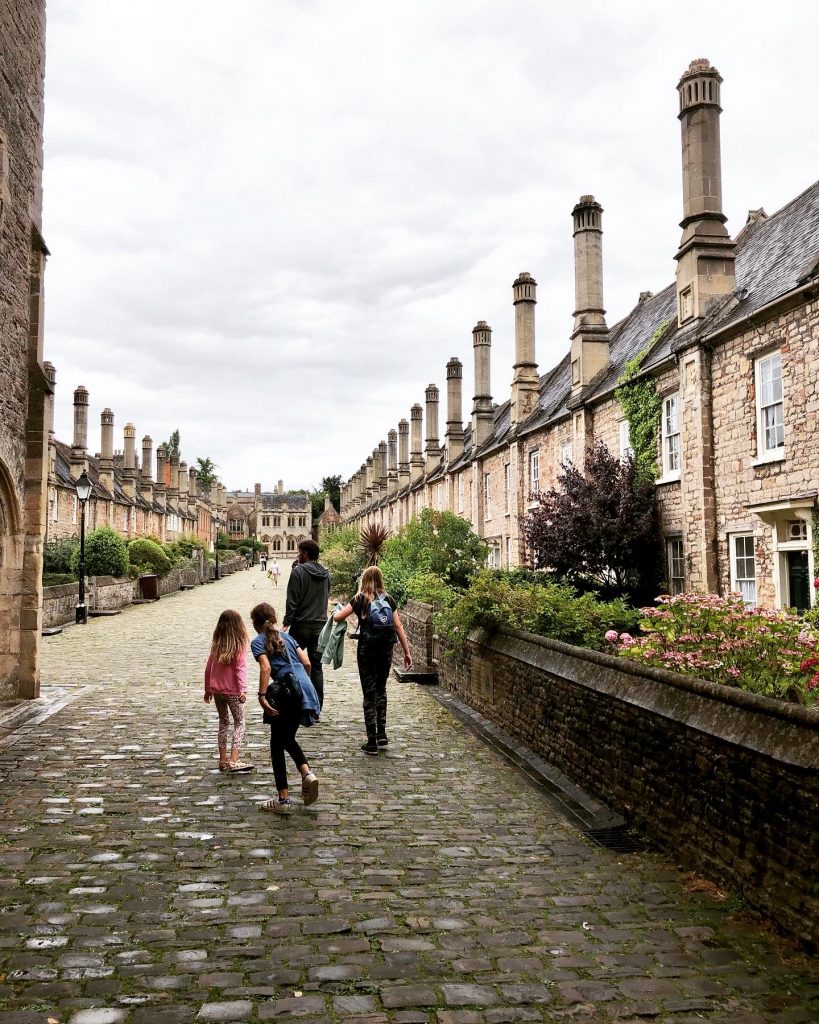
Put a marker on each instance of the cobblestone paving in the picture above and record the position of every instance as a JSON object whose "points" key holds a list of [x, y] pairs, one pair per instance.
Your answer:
{"points": [[432, 884]]}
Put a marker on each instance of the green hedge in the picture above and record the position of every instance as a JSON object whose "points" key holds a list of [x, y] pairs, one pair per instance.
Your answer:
{"points": [[105, 554], [149, 557]]}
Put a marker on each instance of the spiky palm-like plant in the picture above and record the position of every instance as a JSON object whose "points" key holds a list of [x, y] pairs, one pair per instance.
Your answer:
{"points": [[373, 538]]}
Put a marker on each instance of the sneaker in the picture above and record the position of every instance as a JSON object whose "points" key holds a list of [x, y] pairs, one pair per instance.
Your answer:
{"points": [[382, 740], [309, 789], [370, 747], [276, 806]]}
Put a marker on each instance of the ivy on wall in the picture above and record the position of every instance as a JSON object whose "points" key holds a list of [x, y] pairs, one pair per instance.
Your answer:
{"points": [[642, 406]]}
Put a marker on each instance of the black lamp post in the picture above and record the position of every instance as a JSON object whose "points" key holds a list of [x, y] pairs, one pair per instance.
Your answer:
{"points": [[217, 522], [83, 487]]}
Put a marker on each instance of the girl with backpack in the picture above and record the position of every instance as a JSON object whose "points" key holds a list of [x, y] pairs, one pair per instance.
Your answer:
{"points": [[280, 657], [379, 628]]}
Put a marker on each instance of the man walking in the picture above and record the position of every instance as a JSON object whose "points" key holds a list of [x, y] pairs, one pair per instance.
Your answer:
{"points": [[306, 611]]}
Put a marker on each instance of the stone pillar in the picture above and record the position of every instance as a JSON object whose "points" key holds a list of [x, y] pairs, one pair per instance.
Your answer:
{"points": [[160, 490], [383, 469], [454, 409], [590, 339], [433, 446], [525, 382], [705, 258], [146, 487], [403, 453], [107, 450], [416, 451], [482, 412], [129, 463], [79, 446], [392, 461]]}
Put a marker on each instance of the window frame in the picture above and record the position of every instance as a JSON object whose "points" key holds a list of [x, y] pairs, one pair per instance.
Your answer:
{"points": [[534, 474], [734, 558], [507, 486], [763, 453], [487, 496], [669, 473], [626, 449], [460, 492], [670, 557], [566, 454]]}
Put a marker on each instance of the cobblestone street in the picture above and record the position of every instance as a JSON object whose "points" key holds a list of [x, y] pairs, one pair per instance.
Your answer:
{"points": [[431, 884]]}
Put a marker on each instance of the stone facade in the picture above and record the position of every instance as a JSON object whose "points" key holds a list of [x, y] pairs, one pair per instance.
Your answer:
{"points": [[732, 348], [27, 379], [276, 519]]}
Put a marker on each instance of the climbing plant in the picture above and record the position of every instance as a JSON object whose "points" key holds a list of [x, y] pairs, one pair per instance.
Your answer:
{"points": [[642, 405]]}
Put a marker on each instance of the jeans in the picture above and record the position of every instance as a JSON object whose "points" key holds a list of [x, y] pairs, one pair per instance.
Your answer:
{"points": [[283, 731], [374, 663], [307, 638]]}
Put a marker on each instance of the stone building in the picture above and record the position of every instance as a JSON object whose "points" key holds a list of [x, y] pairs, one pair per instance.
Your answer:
{"points": [[732, 349], [276, 519], [132, 492], [27, 379]]}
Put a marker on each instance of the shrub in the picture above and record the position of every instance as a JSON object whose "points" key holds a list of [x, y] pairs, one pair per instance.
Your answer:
{"points": [[719, 639], [431, 589], [148, 556], [57, 556], [105, 554], [440, 543], [183, 548], [345, 566], [346, 537], [57, 579], [496, 600]]}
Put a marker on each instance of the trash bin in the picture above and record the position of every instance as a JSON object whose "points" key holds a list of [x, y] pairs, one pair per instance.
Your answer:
{"points": [[149, 587]]}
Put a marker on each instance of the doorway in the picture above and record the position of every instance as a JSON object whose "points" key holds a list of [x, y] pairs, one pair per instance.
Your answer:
{"points": [[798, 580]]}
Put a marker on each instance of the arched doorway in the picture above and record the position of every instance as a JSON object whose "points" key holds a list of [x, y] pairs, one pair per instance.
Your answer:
{"points": [[11, 583]]}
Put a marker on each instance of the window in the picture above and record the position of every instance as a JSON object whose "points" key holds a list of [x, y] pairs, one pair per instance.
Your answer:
{"points": [[671, 437], [52, 506], [277, 520], [626, 451], [460, 492], [508, 552], [676, 565], [493, 558], [487, 496], [302, 520], [507, 486], [566, 455], [440, 496], [291, 544], [686, 301], [74, 505], [770, 409], [743, 567], [277, 543], [291, 520], [534, 473], [265, 520]]}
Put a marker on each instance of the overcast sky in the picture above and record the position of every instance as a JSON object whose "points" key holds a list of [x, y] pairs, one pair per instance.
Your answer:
{"points": [[272, 222]]}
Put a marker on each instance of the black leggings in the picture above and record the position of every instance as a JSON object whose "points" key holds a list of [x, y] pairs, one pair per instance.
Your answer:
{"points": [[283, 731]]}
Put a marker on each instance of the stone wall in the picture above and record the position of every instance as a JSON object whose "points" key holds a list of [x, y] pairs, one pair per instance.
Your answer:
{"points": [[727, 781]]}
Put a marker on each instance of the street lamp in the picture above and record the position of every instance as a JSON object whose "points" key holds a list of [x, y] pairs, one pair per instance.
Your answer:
{"points": [[83, 487], [217, 522]]}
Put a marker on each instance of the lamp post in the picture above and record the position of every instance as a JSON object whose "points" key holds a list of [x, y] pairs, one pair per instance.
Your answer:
{"points": [[83, 487], [217, 522]]}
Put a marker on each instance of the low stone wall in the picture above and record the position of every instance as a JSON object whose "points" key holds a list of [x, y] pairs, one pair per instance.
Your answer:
{"points": [[106, 593], [728, 781], [59, 604]]}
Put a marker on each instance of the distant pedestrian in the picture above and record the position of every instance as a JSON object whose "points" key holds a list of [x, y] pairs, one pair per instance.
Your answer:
{"points": [[308, 595], [263, 560], [226, 686], [280, 656], [379, 629], [275, 572]]}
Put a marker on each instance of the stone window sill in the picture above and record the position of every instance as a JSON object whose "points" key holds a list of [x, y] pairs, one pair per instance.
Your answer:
{"points": [[765, 460], [672, 478]]}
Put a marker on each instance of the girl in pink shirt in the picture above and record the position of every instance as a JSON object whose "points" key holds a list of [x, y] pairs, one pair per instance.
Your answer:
{"points": [[226, 684]]}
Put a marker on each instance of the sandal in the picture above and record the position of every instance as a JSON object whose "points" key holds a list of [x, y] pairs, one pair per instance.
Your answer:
{"points": [[224, 766], [240, 766]]}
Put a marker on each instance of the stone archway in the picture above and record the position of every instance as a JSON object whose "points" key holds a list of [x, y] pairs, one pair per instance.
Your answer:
{"points": [[11, 585]]}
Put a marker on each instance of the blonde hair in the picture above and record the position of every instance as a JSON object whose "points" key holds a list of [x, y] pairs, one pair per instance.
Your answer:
{"points": [[372, 583], [264, 620], [229, 637]]}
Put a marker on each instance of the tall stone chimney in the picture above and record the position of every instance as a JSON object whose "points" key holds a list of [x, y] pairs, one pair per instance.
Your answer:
{"points": [[173, 489], [79, 446], [369, 476], [403, 453], [525, 382], [705, 258], [146, 487], [392, 461], [590, 336], [433, 446], [107, 450], [383, 470], [160, 490], [416, 449], [454, 409], [183, 483], [193, 490], [129, 463], [482, 413], [280, 487]]}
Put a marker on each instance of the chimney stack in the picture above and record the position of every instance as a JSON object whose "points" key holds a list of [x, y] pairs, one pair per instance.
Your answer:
{"points": [[368, 477], [193, 492], [80, 443], [482, 412], [403, 453], [525, 383], [280, 487], [160, 491], [146, 487], [129, 463], [173, 489], [590, 337], [183, 482], [392, 463], [433, 447], [416, 451], [107, 453], [382, 468], [454, 409], [705, 258]]}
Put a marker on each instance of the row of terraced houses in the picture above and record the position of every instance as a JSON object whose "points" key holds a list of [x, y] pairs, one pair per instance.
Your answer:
{"points": [[732, 347]]}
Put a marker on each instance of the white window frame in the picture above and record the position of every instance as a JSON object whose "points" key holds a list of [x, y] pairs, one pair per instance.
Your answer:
{"points": [[566, 454], [74, 507], [671, 558], [460, 492], [507, 485], [735, 558], [487, 496], [671, 439], [626, 450], [763, 452], [534, 474]]}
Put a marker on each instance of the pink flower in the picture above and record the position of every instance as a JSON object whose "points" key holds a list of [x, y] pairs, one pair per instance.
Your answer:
{"points": [[625, 637], [611, 636], [732, 672], [816, 583]]}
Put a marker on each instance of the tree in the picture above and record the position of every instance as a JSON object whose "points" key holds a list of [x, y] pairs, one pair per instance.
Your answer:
{"points": [[439, 543], [205, 472], [331, 486], [600, 529], [172, 445], [105, 554]]}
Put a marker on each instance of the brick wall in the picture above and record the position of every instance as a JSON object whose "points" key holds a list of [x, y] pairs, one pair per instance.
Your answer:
{"points": [[727, 781]]}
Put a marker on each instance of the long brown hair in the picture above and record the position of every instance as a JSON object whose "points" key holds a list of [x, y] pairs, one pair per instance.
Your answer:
{"points": [[372, 583], [229, 637], [263, 617]]}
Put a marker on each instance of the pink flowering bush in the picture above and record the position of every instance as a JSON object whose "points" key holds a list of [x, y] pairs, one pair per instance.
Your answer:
{"points": [[719, 639]]}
